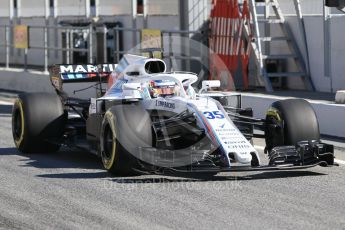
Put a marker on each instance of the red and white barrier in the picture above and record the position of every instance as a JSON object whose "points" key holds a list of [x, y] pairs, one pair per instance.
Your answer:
{"points": [[228, 47]]}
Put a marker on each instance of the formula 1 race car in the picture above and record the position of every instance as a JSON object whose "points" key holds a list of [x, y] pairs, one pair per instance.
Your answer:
{"points": [[145, 119]]}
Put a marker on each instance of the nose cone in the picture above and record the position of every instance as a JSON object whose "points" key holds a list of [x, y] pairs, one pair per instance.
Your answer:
{"points": [[243, 157]]}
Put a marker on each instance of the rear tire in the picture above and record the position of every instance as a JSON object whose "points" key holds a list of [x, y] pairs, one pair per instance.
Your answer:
{"points": [[36, 118], [290, 121]]}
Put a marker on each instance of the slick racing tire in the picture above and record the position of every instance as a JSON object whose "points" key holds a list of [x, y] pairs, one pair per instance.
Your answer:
{"points": [[125, 128], [290, 121], [37, 118]]}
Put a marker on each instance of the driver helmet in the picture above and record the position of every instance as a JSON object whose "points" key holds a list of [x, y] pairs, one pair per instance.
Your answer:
{"points": [[162, 88]]}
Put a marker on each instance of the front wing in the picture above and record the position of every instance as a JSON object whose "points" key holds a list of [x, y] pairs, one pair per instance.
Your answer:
{"points": [[305, 154]]}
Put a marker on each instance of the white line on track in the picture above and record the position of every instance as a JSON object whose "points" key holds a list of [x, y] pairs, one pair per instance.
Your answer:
{"points": [[335, 160]]}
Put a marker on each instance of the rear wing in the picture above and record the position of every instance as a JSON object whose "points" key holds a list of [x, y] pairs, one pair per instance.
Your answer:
{"points": [[60, 74]]}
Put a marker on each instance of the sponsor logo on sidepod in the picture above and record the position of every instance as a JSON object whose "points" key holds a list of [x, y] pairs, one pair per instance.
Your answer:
{"points": [[165, 104]]}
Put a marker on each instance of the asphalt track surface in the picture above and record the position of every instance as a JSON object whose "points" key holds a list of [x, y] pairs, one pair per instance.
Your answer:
{"points": [[70, 190]]}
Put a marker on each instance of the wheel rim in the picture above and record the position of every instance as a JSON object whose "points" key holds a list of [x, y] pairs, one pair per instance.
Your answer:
{"points": [[17, 124], [108, 143]]}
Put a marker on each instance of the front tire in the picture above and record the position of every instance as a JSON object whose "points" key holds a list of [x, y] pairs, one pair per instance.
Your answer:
{"points": [[125, 128], [37, 118], [290, 121]]}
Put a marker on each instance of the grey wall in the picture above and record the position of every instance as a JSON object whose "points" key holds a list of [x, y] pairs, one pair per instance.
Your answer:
{"points": [[315, 42], [330, 116], [338, 52], [198, 11], [313, 20], [25, 81]]}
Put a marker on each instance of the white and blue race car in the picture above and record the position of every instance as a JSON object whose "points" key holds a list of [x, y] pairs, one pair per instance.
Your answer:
{"points": [[144, 119]]}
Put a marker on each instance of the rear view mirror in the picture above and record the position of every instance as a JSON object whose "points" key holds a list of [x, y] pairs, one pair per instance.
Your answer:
{"points": [[131, 86], [206, 85], [131, 90]]}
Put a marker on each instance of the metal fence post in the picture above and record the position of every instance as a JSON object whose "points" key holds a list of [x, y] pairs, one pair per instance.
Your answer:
{"points": [[170, 52], [117, 37], [327, 44], [202, 58], [90, 45], [67, 46], [7, 32], [105, 55], [188, 51], [45, 30], [26, 59]]}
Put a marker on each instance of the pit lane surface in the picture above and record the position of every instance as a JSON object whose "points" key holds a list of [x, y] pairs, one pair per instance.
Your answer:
{"points": [[71, 190]]}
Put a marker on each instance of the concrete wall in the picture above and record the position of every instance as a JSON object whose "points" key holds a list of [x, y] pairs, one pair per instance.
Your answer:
{"points": [[308, 7], [330, 116], [338, 52], [36, 56], [159, 17], [315, 43], [20, 80], [5, 8], [313, 20], [198, 12], [36, 8], [314, 32], [31, 81]]}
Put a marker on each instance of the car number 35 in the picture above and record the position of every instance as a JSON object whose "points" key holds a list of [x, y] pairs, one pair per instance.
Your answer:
{"points": [[214, 115]]}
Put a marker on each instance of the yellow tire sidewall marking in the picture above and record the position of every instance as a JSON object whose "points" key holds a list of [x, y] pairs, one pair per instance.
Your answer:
{"points": [[273, 113], [19, 104], [111, 121]]}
